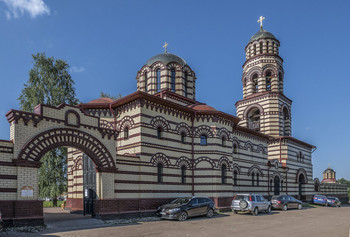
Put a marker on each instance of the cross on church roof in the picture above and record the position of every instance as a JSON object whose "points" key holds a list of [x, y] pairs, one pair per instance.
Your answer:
{"points": [[165, 46], [261, 18]]}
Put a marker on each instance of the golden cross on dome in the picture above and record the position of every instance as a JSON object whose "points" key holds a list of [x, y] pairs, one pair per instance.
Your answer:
{"points": [[165, 46], [261, 18]]}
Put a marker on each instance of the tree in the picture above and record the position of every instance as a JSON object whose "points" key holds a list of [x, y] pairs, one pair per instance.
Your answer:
{"points": [[49, 83], [113, 97], [347, 182]]}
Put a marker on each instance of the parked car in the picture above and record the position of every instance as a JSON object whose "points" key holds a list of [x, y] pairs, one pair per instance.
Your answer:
{"points": [[333, 201], [285, 202], [182, 208], [320, 200], [253, 203]]}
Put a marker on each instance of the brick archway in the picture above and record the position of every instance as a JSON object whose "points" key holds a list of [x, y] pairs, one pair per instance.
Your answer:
{"points": [[37, 146]]}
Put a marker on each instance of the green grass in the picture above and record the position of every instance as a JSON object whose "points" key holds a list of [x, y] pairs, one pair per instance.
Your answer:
{"points": [[309, 205], [50, 204]]}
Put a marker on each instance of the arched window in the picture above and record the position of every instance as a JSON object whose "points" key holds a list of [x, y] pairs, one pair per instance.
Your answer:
{"points": [[235, 148], [172, 80], [267, 46], [159, 132], [253, 179], [160, 172], [280, 82], [257, 179], [270, 185], [223, 141], [235, 176], [186, 85], [286, 122], [255, 52], [255, 83], [126, 133], [261, 47], [146, 82], [254, 119], [268, 81], [158, 80], [183, 174], [223, 173], [183, 138], [203, 140]]}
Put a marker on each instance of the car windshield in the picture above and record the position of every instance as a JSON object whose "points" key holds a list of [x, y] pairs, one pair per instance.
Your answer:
{"points": [[276, 198], [181, 200], [242, 197], [331, 198]]}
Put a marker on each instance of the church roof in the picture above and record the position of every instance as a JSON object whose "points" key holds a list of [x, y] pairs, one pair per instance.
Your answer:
{"points": [[101, 101], [202, 107], [329, 169], [262, 34], [166, 58]]}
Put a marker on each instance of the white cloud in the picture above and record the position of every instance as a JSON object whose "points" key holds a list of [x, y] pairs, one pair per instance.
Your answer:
{"points": [[17, 8], [77, 69]]}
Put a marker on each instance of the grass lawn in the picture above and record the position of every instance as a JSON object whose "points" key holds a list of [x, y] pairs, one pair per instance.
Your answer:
{"points": [[49, 203]]}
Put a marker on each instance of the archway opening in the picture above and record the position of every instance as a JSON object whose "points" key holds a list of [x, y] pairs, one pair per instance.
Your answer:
{"points": [[301, 187], [254, 119]]}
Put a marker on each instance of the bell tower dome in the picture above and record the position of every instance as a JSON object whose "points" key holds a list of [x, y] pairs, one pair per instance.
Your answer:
{"points": [[264, 107]]}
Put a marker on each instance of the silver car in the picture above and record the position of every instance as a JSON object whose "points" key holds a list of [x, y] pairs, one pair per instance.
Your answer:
{"points": [[253, 203]]}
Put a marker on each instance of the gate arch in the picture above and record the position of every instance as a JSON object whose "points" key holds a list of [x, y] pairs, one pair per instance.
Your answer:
{"points": [[37, 146]]}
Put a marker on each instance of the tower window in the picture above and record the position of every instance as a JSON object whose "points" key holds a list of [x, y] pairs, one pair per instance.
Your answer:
{"points": [[223, 141], [186, 89], [183, 138], [159, 132], [254, 119], [146, 82], [160, 172], [203, 140], [223, 174], [126, 133], [158, 80], [268, 81], [255, 52], [183, 174], [255, 83], [261, 47], [267, 46], [235, 148], [172, 80]]}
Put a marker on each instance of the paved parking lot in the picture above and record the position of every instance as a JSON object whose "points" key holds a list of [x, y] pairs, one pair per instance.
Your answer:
{"points": [[320, 222]]}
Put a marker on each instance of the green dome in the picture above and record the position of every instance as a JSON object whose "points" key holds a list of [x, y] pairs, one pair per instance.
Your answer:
{"points": [[262, 34], [166, 58]]}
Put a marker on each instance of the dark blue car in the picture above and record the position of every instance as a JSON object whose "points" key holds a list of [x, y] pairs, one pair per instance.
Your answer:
{"points": [[320, 200]]}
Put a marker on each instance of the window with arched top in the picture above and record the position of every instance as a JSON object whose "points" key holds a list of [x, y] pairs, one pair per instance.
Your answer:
{"points": [[235, 177], [158, 80], [183, 138], [203, 140], [281, 185], [146, 82], [253, 179], [235, 148], [159, 132], [255, 52], [257, 179], [268, 81], [255, 83], [223, 173], [126, 133], [160, 172], [280, 82], [254, 119], [270, 185], [267, 46], [183, 174], [172, 80], [286, 122], [186, 84], [261, 47], [223, 141]]}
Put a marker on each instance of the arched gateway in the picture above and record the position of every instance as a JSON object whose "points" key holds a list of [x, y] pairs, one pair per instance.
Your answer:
{"points": [[34, 134]]}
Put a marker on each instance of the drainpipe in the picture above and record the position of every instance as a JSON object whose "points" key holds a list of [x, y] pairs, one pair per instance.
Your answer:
{"points": [[281, 150], [268, 179], [286, 169], [193, 118], [112, 111]]}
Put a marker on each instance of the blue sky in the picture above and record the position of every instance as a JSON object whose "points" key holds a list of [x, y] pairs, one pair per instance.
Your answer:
{"points": [[107, 42]]}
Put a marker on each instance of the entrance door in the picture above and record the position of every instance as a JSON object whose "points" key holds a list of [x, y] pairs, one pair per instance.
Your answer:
{"points": [[301, 187], [89, 174], [277, 185]]}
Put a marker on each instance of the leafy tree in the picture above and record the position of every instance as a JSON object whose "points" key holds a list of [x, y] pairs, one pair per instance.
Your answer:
{"points": [[49, 83], [113, 97], [347, 182]]}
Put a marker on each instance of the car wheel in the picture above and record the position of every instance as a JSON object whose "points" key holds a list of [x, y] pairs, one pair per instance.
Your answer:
{"points": [[255, 212], [268, 210], [183, 216], [210, 213], [235, 211], [300, 207], [284, 208], [243, 204]]}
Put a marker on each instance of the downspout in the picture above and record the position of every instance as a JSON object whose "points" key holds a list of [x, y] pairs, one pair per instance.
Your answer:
{"points": [[281, 150], [287, 180], [193, 118], [268, 178], [112, 111]]}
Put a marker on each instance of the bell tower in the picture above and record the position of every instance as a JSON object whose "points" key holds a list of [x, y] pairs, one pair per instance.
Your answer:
{"points": [[264, 106]]}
